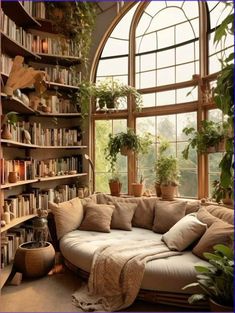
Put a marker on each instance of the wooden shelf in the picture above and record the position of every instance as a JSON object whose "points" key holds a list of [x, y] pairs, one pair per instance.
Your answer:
{"points": [[31, 146], [55, 59], [66, 115], [19, 183], [13, 48], [19, 15], [61, 86], [5, 273], [16, 221], [11, 103], [61, 177]]}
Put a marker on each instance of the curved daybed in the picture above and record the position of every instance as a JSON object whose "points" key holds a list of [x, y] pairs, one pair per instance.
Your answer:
{"points": [[163, 278]]}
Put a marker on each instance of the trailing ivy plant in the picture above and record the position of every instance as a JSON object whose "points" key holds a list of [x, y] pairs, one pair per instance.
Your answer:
{"points": [[224, 97], [75, 20]]}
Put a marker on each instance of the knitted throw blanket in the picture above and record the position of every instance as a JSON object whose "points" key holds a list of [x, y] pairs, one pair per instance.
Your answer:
{"points": [[116, 274]]}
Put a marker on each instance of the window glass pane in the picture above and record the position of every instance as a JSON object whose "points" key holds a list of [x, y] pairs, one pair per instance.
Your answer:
{"points": [[143, 24], [116, 66], [154, 7], [186, 94], [185, 53], [214, 63], [146, 43], [166, 127], [165, 97], [149, 100], [165, 38], [190, 9], [166, 76], [148, 62], [184, 32], [185, 120], [102, 166], [148, 79], [167, 17], [218, 14], [114, 47], [184, 72], [166, 58]]}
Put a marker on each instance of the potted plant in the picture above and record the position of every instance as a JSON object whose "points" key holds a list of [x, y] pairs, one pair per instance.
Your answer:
{"points": [[126, 143], [167, 172], [221, 193], [9, 118], [207, 139], [216, 279], [115, 185]]}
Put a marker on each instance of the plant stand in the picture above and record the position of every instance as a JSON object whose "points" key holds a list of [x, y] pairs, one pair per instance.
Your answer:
{"points": [[34, 262]]}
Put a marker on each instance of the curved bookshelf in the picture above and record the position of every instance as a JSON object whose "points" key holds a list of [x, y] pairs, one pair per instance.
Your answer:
{"points": [[19, 15], [65, 115], [55, 59], [61, 86], [42, 179], [10, 103], [13, 48], [19, 183], [16, 221], [32, 146], [5, 273]]}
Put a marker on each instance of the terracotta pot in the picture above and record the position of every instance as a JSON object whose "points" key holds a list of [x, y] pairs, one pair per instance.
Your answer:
{"points": [[227, 200], [168, 192], [115, 188], [137, 189], [13, 177], [158, 189], [126, 151], [220, 147], [216, 307]]}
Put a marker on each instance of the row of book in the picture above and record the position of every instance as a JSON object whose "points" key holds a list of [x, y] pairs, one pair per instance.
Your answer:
{"points": [[38, 9], [6, 64], [30, 168], [15, 32], [56, 45], [29, 6], [30, 201], [11, 241], [63, 75], [44, 136]]}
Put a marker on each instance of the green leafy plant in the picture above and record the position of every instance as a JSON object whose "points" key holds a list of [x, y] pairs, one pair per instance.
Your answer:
{"points": [[166, 166], [209, 135], [221, 193], [9, 118], [134, 142], [216, 279], [109, 94], [75, 20], [223, 95]]}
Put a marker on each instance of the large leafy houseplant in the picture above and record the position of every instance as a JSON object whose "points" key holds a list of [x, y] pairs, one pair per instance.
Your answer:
{"points": [[223, 96], [216, 279]]}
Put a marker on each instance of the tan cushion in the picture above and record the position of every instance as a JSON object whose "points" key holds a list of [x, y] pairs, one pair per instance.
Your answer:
{"points": [[167, 213], [217, 233], [184, 232], [205, 217], [192, 206], [144, 213], [97, 217], [68, 215], [225, 214], [122, 215]]}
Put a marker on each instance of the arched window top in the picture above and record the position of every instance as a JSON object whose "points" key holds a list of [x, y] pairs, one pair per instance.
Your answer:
{"points": [[217, 12]]}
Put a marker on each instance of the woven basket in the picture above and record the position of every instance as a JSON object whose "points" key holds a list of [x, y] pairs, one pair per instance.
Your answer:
{"points": [[34, 262]]}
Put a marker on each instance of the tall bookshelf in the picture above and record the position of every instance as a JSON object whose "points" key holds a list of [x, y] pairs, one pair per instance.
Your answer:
{"points": [[49, 163]]}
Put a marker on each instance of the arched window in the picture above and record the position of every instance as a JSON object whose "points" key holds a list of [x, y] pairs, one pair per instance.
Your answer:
{"points": [[162, 48]]}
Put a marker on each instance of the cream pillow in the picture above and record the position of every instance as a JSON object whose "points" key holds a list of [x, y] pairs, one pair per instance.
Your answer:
{"points": [[184, 232], [167, 213], [68, 215], [97, 217], [122, 215]]}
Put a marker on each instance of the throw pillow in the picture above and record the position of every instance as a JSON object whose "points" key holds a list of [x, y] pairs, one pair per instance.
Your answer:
{"points": [[205, 217], [68, 215], [223, 213], [167, 213], [192, 206], [97, 217], [122, 215], [184, 232], [219, 232]]}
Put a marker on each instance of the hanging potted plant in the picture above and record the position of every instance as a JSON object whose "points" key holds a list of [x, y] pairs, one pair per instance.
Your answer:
{"points": [[208, 139], [216, 279]]}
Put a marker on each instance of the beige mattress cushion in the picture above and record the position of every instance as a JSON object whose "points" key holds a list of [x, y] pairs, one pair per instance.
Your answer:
{"points": [[169, 274]]}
